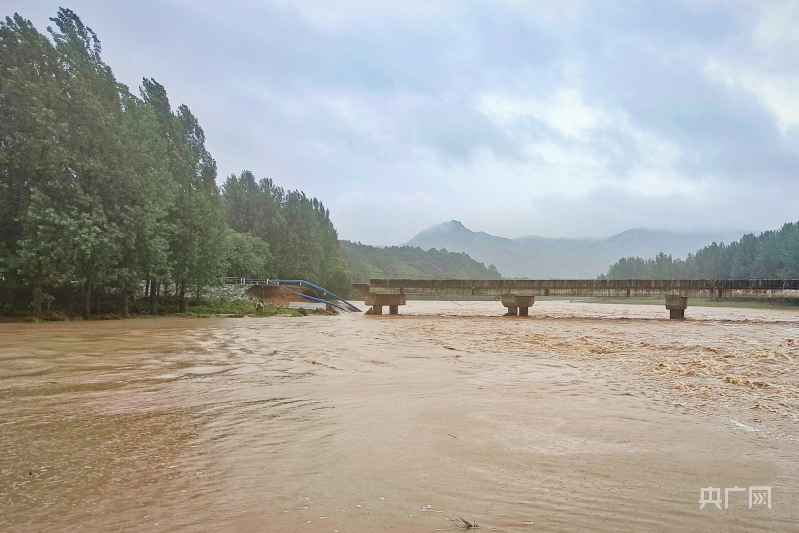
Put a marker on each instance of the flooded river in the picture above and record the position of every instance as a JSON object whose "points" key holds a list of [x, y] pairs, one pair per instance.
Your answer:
{"points": [[582, 417]]}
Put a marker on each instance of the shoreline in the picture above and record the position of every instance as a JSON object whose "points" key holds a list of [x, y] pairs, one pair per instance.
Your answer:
{"points": [[213, 308]]}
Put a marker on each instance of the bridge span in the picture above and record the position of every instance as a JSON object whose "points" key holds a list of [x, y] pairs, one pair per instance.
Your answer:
{"points": [[519, 295]]}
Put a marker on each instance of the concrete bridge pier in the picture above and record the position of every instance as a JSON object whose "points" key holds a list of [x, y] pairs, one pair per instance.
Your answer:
{"points": [[517, 305], [377, 301], [518, 294], [676, 305]]}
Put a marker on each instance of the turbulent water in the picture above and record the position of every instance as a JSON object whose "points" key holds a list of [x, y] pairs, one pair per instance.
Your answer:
{"points": [[581, 417]]}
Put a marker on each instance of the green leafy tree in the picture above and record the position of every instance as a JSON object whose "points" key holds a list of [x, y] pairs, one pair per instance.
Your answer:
{"points": [[196, 221], [247, 256]]}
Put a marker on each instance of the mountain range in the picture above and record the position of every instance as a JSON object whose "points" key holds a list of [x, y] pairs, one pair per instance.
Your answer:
{"points": [[564, 258]]}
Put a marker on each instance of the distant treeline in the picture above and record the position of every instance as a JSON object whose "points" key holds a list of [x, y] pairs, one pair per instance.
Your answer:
{"points": [[770, 255], [409, 262], [101, 189]]}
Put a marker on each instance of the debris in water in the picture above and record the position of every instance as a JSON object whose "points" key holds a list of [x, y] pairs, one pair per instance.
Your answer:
{"points": [[469, 525], [743, 426]]}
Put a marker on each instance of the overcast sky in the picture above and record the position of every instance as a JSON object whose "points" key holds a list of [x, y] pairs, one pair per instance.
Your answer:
{"points": [[580, 119]]}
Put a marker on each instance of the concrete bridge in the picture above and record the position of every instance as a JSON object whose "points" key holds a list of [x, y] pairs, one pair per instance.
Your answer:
{"points": [[519, 295]]}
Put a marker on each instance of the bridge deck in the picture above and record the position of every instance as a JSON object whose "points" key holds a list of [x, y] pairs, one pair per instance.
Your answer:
{"points": [[693, 288]]}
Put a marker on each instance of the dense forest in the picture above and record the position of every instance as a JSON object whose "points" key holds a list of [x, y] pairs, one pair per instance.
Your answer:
{"points": [[110, 199], [408, 262], [770, 255]]}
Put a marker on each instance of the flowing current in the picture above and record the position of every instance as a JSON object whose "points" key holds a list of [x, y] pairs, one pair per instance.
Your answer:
{"points": [[581, 417]]}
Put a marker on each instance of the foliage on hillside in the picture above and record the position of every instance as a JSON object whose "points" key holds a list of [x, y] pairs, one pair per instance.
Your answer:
{"points": [[101, 189], [770, 255], [408, 262]]}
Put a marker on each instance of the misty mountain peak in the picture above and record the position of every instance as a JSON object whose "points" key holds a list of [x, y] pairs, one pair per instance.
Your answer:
{"points": [[566, 258], [453, 227], [454, 224]]}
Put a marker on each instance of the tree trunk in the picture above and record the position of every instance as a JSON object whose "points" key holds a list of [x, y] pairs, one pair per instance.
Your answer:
{"points": [[153, 299], [125, 309], [197, 294], [183, 296], [87, 299], [98, 293], [36, 297]]}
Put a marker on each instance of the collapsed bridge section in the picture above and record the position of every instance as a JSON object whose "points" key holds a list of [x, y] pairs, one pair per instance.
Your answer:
{"points": [[519, 295]]}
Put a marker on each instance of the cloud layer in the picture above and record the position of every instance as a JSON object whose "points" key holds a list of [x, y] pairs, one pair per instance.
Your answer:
{"points": [[581, 119]]}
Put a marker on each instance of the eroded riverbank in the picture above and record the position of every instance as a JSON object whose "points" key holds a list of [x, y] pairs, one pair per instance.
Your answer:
{"points": [[585, 416]]}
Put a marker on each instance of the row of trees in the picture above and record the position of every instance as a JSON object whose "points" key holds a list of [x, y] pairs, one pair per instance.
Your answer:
{"points": [[297, 229], [770, 255], [101, 189]]}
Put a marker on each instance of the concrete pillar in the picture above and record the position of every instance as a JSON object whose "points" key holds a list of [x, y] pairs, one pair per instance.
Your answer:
{"points": [[676, 305], [377, 301], [517, 305]]}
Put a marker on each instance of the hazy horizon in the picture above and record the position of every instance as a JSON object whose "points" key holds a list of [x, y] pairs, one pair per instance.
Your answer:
{"points": [[582, 119], [601, 237]]}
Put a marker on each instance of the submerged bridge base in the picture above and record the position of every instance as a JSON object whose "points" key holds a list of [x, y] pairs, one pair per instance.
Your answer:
{"points": [[519, 295], [378, 301], [676, 306], [518, 305]]}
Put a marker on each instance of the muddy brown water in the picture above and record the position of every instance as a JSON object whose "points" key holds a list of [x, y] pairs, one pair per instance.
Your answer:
{"points": [[583, 417]]}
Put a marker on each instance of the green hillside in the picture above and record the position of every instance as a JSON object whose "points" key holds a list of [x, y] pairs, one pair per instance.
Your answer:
{"points": [[408, 262], [772, 254]]}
